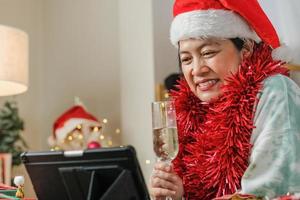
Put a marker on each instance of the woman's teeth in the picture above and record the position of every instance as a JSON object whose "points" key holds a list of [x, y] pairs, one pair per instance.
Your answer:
{"points": [[207, 84]]}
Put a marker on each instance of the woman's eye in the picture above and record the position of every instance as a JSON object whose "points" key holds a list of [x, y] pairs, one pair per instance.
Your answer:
{"points": [[208, 54], [185, 60]]}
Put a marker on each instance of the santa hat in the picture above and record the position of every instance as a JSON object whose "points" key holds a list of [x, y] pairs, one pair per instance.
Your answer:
{"points": [[224, 19], [69, 120]]}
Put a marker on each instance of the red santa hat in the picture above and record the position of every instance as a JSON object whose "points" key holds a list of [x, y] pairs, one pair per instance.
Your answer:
{"points": [[69, 120], [223, 19]]}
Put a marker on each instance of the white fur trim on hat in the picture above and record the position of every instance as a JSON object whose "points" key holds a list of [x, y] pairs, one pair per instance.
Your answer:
{"points": [[210, 23]]}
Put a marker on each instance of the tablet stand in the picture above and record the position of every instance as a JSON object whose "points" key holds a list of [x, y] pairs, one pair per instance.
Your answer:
{"points": [[99, 183]]}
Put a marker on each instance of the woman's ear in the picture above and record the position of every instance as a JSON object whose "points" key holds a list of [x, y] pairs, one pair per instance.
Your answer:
{"points": [[247, 49]]}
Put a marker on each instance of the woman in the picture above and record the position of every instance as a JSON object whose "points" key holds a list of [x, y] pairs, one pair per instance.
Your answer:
{"points": [[237, 111]]}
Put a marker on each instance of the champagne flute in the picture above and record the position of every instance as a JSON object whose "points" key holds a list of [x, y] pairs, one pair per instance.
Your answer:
{"points": [[165, 138]]}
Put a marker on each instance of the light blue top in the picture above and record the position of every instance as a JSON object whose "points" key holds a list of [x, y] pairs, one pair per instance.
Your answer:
{"points": [[275, 158]]}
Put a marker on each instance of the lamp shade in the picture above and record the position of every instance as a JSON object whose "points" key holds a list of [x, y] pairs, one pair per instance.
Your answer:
{"points": [[13, 61]]}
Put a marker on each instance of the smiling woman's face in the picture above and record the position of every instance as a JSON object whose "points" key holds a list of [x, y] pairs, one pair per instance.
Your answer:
{"points": [[206, 63]]}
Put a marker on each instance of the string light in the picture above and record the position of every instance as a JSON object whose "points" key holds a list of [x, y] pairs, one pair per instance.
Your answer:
{"points": [[166, 95], [80, 136], [56, 148], [118, 131], [148, 162], [70, 138], [75, 134]]}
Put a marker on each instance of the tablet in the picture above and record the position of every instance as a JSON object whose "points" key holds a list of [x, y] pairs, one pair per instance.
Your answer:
{"points": [[94, 174]]}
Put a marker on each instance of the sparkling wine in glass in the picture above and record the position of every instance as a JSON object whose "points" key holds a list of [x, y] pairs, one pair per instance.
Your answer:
{"points": [[165, 138]]}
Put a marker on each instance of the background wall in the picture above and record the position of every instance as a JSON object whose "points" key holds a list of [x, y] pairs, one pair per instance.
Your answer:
{"points": [[146, 58], [137, 77], [165, 55], [81, 59], [284, 16]]}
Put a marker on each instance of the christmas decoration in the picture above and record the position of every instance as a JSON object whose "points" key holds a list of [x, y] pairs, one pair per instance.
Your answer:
{"points": [[76, 129], [215, 137], [94, 145], [295, 196], [10, 192], [19, 182], [238, 196], [11, 126]]}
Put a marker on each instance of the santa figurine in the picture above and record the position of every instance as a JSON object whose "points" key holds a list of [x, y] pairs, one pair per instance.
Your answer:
{"points": [[76, 129]]}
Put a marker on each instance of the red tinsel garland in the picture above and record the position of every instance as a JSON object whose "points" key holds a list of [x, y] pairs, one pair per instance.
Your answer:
{"points": [[214, 138]]}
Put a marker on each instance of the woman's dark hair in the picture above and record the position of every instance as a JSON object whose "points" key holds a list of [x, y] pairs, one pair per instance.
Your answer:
{"points": [[171, 81], [238, 43]]}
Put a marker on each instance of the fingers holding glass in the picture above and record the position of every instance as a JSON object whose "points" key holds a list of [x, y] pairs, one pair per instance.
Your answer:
{"points": [[163, 180], [162, 193]]}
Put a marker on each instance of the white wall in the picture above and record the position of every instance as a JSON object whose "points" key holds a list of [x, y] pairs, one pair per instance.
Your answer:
{"points": [[284, 16], [137, 77], [295, 75], [81, 59], [165, 54]]}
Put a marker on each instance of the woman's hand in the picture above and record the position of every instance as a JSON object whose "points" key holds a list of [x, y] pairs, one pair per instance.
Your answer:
{"points": [[165, 182]]}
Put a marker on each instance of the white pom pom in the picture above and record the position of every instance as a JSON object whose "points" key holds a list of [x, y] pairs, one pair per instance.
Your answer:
{"points": [[283, 53], [78, 102], [19, 180]]}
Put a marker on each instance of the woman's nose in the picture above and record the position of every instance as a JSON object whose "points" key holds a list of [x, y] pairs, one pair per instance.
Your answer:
{"points": [[200, 67]]}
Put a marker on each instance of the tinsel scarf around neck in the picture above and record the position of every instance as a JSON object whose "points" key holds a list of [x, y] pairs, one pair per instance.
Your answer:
{"points": [[214, 138]]}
